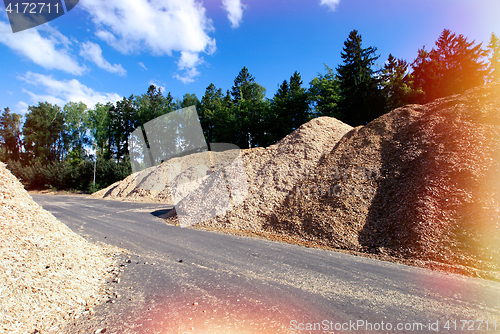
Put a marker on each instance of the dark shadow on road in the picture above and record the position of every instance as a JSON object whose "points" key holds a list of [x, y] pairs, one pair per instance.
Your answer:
{"points": [[163, 213]]}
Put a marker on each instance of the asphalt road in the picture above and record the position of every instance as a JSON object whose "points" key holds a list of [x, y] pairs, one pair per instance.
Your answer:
{"points": [[181, 280]]}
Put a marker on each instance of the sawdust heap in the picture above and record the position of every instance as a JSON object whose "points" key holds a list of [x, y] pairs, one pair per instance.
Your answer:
{"points": [[272, 172], [418, 183], [146, 186], [48, 274]]}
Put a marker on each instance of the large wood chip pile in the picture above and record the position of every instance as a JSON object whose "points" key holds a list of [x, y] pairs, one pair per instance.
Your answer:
{"points": [[48, 274], [421, 182], [272, 172]]}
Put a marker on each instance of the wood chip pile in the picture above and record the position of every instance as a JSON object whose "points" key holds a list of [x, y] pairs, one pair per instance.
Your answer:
{"points": [[421, 182], [272, 172], [48, 274], [145, 187]]}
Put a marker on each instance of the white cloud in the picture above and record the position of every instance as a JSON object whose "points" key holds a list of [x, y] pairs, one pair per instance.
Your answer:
{"points": [[61, 92], [93, 52], [50, 51], [159, 27], [21, 108], [141, 64], [331, 4], [188, 76], [234, 10], [157, 86], [188, 63]]}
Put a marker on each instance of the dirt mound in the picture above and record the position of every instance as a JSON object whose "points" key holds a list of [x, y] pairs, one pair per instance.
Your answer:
{"points": [[418, 183], [48, 274]]}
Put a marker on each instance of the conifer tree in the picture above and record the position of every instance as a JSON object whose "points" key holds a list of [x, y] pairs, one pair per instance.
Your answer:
{"points": [[494, 65], [10, 135], [360, 98], [453, 67], [249, 109], [290, 107], [397, 84]]}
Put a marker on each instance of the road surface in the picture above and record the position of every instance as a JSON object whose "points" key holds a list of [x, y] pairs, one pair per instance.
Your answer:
{"points": [[181, 280]]}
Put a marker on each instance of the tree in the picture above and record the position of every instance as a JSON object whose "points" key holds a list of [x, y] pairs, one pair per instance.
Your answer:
{"points": [[151, 105], [99, 128], [76, 126], [360, 98], [324, 94], [10, 133], [42, 131], [453, 67], [494, 65], [397, 84], [211, 113], [189, 100], [249, 109], [290, 107], [122, 121]]}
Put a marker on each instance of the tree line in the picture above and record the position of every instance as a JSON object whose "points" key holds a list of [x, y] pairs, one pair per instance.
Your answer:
{"points": [[51, 147]]}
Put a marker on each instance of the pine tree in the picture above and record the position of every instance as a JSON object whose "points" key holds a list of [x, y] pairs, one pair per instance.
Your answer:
{"points": [[360, 98], [151, 105], [290, 107], [452, 68], [122, 122], [211, 105], [42, 131], [397, 84], [249, 110], [494, 65], [10, 135]]}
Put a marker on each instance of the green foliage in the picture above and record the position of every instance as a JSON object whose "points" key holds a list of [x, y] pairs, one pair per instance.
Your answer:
{"points": [[189, 100], [63, 175], [215, 117], [397, 84], [99, 127], [151, 105], [42, 131], [10, 135], [324, 94], [122, 121], [249, 111], [76, 136], [361, 100], [453, 67], [289, 107]]}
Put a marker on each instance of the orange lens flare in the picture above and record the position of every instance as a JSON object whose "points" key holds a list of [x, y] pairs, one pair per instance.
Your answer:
{"points": [[209, 313]]}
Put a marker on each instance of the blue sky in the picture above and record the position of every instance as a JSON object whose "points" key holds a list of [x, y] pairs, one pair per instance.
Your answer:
{"points": [[106, 49]]}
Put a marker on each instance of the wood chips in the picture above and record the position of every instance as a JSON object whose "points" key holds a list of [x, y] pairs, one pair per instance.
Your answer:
{"points": [[419, 185], [48, 274]]}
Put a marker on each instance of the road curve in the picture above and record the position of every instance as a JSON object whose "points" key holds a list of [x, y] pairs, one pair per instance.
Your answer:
{"points": [[180, 280]]}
